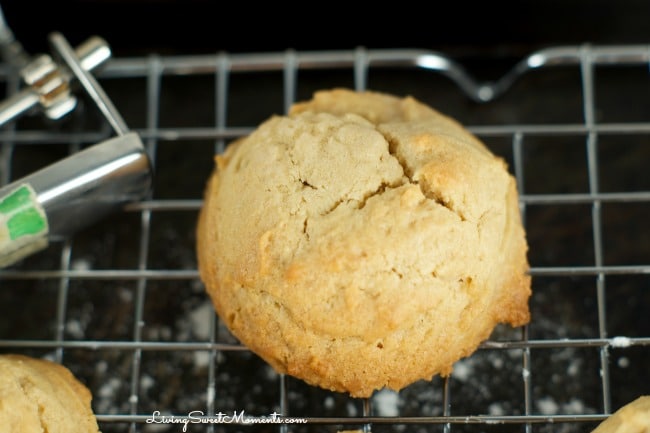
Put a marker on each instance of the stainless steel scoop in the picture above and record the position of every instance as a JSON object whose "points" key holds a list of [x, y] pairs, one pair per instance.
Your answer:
{"points": [[80, 189]]}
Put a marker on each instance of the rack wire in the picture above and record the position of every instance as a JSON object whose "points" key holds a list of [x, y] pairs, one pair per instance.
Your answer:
{"points": [[121, 303]]}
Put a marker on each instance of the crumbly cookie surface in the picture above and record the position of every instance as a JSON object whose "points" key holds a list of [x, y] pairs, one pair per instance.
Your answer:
{"points": [[41, 396], [363, 241]]}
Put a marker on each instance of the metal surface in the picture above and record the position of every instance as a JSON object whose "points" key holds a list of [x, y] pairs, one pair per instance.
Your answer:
{"points": [[48, 85], [80, 189], [77, 191], [90, 85], [122, 306]]}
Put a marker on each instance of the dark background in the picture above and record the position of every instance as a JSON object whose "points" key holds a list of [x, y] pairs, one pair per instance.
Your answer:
{"points": [[462, 29]]}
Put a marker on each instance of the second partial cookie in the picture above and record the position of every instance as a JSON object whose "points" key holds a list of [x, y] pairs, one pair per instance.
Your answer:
{"points": [[39, 396]]}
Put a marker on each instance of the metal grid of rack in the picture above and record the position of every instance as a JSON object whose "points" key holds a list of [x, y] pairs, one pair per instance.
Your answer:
{"points": [[121, 304]]}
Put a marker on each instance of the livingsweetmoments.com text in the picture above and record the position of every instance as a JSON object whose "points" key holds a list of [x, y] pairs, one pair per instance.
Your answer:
{"points": [[199, 417]]}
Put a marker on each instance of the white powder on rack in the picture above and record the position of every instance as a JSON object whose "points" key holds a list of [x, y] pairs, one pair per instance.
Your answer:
{"points": [[620, 342]]}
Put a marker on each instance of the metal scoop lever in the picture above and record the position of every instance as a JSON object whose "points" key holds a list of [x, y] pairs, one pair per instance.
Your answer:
{"points": [[78, 190]]}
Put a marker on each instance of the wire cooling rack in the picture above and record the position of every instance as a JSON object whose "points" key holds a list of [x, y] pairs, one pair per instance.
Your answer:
{"points": [[121, 304]]}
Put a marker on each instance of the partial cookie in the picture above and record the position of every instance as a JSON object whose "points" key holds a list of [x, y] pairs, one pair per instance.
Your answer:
{"points": [[41, 396], [634, 417], [363, 241]]}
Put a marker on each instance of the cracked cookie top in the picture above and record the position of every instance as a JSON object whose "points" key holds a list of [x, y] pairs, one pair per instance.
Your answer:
{"points": [[363, 241]]}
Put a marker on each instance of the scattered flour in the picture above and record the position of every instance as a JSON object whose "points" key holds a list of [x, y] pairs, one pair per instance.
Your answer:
{"points": [[623, 362], [159, 333], [74, 329], [146, 382], [80, 265], [573, 407], [270, 373], [620, 342], [462, 370], [202, 320], [351, 409], [101, 367], [496, 409], [547, 406], [110, 387], [125, 295], [329, 403], [201, 358], [386, 402], [497, 362], [210, 396], [492, 421], [574, 367]]}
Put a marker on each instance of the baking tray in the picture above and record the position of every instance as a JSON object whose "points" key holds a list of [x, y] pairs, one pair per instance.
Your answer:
{"points": [[121, 303]]}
